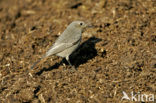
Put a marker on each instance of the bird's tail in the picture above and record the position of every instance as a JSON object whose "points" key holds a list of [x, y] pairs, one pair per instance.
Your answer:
{"points": [[38, 62]]}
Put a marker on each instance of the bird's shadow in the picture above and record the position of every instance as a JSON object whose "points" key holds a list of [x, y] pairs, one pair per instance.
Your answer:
{"points": [[81, 55], [84, 52]]}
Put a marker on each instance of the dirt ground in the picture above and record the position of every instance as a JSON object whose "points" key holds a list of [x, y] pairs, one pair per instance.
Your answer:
{"points": [[118, 54]]}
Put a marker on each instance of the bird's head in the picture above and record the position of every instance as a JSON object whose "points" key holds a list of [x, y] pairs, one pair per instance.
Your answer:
{"points": [[80, 25]]}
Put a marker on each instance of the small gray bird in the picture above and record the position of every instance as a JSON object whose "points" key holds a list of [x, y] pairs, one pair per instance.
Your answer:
{"points": [[67, 42]]}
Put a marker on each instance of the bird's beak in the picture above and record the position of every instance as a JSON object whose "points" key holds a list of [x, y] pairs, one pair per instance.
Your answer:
{"points": [[88, 25]]}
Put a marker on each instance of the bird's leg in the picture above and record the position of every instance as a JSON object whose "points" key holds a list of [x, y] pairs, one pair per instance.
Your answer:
{"points": [[67, 58], [73, 67], [69, 63]]}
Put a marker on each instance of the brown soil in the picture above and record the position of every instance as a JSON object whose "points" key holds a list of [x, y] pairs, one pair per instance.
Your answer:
{"points": [[117, 55]]}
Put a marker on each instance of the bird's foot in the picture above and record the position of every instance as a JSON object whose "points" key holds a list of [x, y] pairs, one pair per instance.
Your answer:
{"points": [[73, 69]]}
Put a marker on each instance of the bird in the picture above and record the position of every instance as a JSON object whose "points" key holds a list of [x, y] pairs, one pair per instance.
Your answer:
{"points": [[66, 43]]}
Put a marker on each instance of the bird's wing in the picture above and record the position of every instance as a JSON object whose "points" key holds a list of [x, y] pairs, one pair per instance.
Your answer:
{"points": [[56, 48]]}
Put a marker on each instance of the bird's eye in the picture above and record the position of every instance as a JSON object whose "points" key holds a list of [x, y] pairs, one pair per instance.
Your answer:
{"points": [[81, 24]]}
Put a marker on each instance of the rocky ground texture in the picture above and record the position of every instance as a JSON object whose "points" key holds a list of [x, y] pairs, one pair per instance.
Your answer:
{"points": [[118, 54]]}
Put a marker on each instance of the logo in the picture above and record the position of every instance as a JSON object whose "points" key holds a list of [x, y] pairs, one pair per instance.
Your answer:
{"points": [[137, 97]]}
